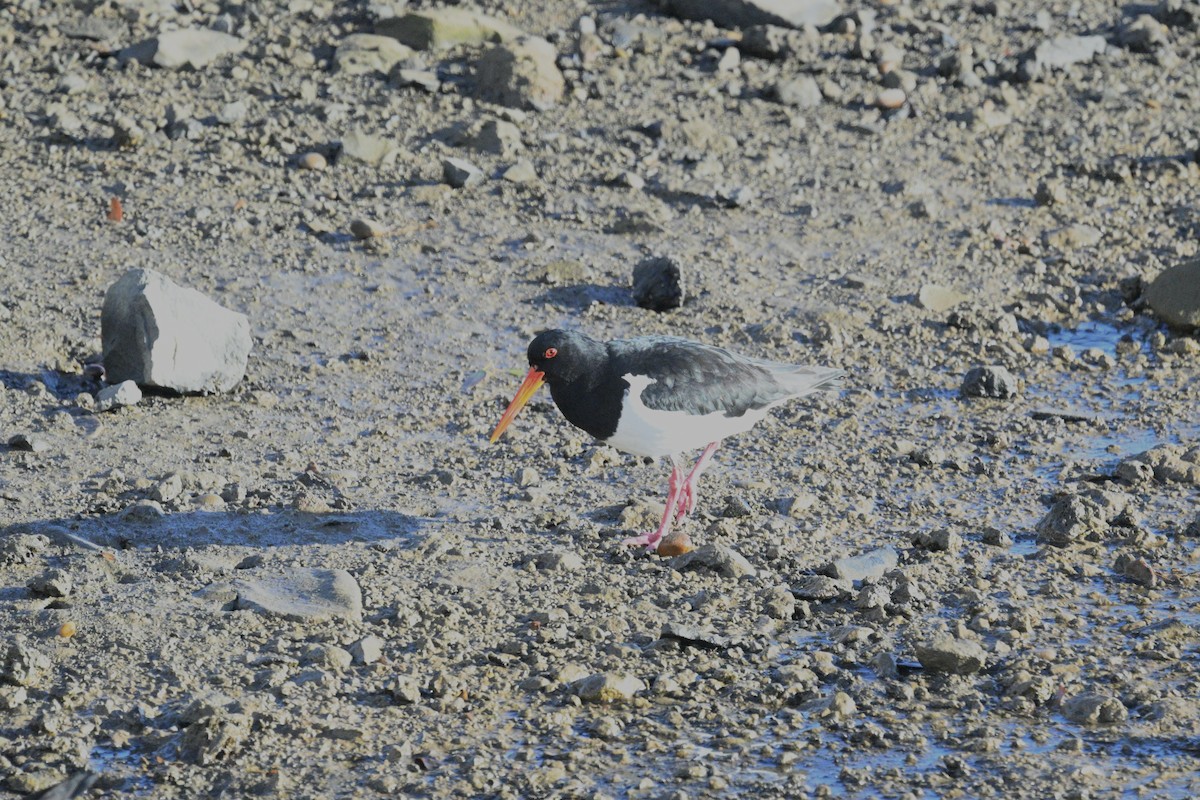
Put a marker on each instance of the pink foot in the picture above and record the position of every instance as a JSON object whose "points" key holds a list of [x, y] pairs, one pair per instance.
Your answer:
{"points": [[648, 540]]}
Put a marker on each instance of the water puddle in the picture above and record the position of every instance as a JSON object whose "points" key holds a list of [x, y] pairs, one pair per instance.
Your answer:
{"points": [[110, 760]]}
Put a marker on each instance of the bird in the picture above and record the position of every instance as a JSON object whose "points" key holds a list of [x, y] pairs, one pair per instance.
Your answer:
{"points": [[660, 396]]}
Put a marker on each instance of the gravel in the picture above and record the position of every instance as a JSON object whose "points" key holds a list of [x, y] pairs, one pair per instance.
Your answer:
{"points": [[995, 217]]}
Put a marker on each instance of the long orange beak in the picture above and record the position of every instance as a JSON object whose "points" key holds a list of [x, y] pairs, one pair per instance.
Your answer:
{"points": [[533, 381]]}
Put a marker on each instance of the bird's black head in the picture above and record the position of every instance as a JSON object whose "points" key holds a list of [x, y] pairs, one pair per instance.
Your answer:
{"points": [[564, 355]]}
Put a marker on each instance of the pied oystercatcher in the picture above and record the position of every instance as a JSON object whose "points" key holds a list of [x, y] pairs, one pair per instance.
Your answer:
{"points": [[659, 396]]}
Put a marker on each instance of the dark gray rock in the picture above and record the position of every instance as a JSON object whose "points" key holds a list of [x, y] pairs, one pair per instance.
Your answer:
{"points": [[715, 558], [658, 284], [989, 381], [1175, 295], [1094, 708], [1075, 517], [949, 654], [157, 333], [22, 665]]}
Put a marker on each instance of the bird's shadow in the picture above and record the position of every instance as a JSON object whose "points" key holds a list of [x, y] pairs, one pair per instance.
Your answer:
{"points": [[582, 295], [244, 531]]}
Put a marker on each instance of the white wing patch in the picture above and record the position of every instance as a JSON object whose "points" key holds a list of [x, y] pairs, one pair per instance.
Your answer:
{"points": [[647, 431]]}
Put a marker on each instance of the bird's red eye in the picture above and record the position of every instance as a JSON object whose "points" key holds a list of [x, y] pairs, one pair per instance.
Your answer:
{"points": [[551, 352]]}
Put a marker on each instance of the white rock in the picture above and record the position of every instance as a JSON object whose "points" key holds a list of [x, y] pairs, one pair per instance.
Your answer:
{"points": [[158, 333], [194, 47], [125, 393]]}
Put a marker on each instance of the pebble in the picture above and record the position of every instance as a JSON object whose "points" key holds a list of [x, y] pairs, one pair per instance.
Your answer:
{"points": [[947, 653], [158, 333], [559, 561], [27, 442], [1094, 708], [405, 690], [522, 74], [821, 587], [989, 381], [367, 650], [1072, 237], [440, 28], [741, 13], [1059, 53], [328, 657], [186, 47], [312, 161], [939, 298], [866, 566], [366, 229], [802, 91], [496, 136], [1072, 518], [363, 53], [54, 583], [125, 393], [658, 284], [460, 173], [891, 99], [360, 145], [522, 171], [940, 540], [607, 687], [716, 558], [1051, 192], [1143, 34], [23, 665]]}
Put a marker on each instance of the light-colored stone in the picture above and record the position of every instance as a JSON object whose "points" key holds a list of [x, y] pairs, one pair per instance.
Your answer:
{"points": [[158, 333], [22, 665], [521, 73], [1094, 708], [439, 28], [361, 53], [303, 595], [939, 298], [607, 687], [187, 47], [125, 393]]}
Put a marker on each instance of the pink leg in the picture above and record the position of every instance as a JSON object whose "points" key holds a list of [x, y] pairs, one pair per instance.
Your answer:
{"points": [[674, 499], [690, 493]]}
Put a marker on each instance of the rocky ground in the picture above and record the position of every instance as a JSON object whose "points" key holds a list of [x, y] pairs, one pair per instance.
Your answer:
{"points": [[325, 583]]}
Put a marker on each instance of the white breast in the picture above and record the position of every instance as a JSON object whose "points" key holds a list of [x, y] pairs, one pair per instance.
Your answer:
{"points": [[649, 432]]}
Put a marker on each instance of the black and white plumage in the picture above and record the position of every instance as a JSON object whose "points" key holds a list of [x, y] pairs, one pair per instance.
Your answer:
{"points": [[660, 396]]}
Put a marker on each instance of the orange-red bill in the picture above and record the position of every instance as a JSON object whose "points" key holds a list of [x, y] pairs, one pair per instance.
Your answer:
{"points": [[533, 381]]}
